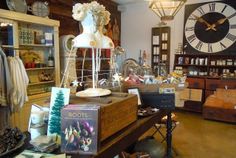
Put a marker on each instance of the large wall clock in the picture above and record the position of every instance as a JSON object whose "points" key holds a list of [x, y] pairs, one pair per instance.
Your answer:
{"points": [[210, 27]]}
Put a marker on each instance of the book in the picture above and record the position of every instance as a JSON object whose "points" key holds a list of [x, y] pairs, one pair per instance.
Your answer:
{"points": [[79, 129]]}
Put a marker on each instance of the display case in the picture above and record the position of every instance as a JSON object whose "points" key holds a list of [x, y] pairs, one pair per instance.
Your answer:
{"points": [[36, 41], [160, 50]]}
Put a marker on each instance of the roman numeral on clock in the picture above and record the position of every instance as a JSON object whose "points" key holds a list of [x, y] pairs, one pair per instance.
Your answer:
{"points": [[191, 38], [200, 10], [222, 46], [233, 26], [210, 50], [199, 45], [234, 14], [189, 29], [224, 8], [212, 7], [192, 18], [231, 37]]}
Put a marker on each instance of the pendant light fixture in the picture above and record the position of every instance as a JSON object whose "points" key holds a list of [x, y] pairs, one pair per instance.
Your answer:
{"points": [[166, 9]]}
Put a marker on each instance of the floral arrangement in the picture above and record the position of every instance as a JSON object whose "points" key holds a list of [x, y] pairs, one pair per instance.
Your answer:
{"points": [[101, 15]]}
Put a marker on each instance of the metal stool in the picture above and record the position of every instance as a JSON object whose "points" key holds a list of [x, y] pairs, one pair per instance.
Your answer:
{"points": [[162, 124]]}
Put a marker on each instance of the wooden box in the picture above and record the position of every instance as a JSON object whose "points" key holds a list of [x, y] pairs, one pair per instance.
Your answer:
{"points": [[219, 114], [191, 94], [116, 111]]}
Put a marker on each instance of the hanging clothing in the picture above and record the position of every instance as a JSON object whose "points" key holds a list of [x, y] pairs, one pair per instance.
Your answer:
{"points": [[20, 82], [6, 86]]}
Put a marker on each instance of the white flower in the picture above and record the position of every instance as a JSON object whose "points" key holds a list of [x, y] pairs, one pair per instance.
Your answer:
{"points": [[101, 15], [79, 11]]}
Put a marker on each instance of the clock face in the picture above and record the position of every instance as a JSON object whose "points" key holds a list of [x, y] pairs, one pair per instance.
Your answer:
{"points": [[210, 28]]}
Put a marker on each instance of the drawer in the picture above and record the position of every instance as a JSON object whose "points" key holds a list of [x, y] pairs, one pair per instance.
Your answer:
{"points": [[213, 84], [196, 83], [208, 93]]}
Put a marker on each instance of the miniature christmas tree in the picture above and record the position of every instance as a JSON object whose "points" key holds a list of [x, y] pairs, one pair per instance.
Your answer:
{"points": [[55, 121]]}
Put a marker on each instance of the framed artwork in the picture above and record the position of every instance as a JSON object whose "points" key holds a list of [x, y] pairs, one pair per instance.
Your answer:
{"points": [[59, 98], [136, 91]]}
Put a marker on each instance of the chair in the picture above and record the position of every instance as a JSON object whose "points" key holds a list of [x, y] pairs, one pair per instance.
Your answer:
{"points": [[162, 124]]}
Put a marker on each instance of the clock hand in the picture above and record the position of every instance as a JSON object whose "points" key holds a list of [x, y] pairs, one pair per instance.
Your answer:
{"points": [[219, 22], [201, 20]]}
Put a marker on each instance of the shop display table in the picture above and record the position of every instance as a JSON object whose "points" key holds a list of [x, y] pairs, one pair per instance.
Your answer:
{"points": [[121, 140], [129, 135]]}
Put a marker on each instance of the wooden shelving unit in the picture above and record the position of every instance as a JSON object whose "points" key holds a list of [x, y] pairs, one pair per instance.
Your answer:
{"points": [[38, 91], [160, 50]]}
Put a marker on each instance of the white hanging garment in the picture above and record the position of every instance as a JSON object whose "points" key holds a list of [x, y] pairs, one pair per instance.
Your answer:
{"points": [[25, 78], [20, 81], [6, 85]]}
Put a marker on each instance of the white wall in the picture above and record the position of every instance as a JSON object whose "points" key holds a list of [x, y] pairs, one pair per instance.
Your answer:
{"points": [[136, 23]]}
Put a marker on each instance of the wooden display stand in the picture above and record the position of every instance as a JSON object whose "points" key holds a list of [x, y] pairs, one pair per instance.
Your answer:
{"points": [[117, 111]]}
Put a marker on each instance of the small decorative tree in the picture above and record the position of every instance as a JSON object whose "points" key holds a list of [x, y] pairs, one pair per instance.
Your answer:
{"points": [[55, 121]]}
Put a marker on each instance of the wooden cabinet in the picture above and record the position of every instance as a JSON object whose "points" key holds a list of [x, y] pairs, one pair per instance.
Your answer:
{"points": [[160, 50], [213, 84], [204, 86], [33, 39]]}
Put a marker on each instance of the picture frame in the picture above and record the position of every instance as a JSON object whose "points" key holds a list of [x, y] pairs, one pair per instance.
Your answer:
{"points": [[136, 91]]}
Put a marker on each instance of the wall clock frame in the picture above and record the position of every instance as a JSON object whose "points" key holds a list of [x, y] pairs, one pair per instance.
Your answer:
{"points": [[210, 27]]}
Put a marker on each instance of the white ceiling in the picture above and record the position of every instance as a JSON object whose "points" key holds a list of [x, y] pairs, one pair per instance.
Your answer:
{"points": [[123, 2]]}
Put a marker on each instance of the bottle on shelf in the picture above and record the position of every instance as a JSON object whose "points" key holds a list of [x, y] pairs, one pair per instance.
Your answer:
{"points": [[50, 59], [140, 60]]}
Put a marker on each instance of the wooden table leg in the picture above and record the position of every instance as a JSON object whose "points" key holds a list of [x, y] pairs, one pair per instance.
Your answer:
{"points": [[169, 135]]}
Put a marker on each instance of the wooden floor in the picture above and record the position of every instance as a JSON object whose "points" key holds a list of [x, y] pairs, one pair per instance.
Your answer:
{"points": [[195, 137]]}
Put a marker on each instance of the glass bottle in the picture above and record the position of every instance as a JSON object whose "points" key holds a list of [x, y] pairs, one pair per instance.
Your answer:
{"points": [[50, 59]]}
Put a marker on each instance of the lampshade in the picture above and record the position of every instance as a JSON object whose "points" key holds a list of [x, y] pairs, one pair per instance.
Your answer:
{"points": [[166, 9]]}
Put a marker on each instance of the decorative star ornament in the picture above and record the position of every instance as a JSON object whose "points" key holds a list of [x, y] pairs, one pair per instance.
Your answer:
{"points": [[75, 83]]}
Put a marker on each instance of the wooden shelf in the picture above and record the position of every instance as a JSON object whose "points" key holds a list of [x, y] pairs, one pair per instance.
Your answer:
{"points": [[41, 68], [87, 58], [36, 45], [189, 65], [223, 66], [8, 46], [40, 83]]}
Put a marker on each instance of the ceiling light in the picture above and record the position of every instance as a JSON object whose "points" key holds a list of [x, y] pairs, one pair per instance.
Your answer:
{"points": [[166, 9]]}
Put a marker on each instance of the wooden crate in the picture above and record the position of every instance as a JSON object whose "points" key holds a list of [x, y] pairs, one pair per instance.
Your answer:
{"points": [[117, 111]]}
